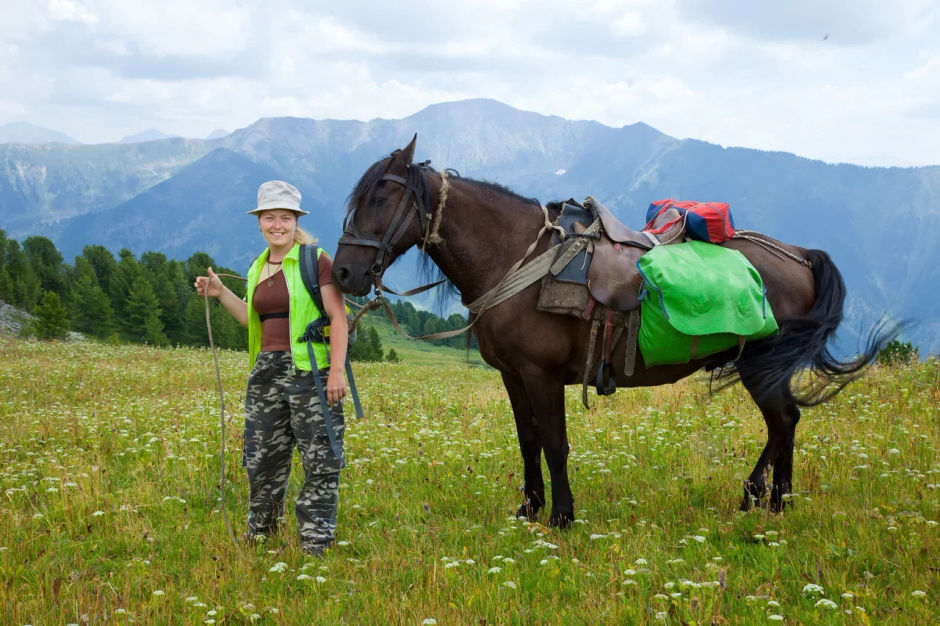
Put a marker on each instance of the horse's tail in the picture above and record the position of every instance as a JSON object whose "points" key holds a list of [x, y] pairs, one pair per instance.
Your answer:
{"points": [[803, 343]]}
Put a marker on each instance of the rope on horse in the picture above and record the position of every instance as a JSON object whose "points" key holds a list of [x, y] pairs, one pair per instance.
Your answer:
{"points": [[435, 237], [763, 240], [515, 280], [218, 380]]}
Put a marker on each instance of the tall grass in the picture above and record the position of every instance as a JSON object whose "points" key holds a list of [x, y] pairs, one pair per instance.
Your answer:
{"points": [[111, 512]]}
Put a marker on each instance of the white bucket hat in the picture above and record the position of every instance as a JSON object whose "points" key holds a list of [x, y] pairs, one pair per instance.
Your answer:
{"points": [[276, 194]]}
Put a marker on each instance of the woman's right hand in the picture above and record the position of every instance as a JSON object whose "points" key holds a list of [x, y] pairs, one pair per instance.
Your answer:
{"points": [[212, 283]]}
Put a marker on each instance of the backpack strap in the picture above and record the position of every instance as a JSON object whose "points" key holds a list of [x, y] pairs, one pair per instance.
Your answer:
{"points": [[310, 275]]}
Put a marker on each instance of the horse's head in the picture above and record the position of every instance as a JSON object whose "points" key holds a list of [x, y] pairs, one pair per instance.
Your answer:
{"points": [[388, 213]]}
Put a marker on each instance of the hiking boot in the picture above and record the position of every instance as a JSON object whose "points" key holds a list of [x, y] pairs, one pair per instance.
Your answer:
{"points": [[255, 539], [314, 549]]}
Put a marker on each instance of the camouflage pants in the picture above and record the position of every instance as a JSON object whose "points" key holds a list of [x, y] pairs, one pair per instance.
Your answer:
{"points": [[282, 410]]}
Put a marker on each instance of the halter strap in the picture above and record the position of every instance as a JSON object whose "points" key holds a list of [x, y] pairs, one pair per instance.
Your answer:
{"points": [[400, 221]]}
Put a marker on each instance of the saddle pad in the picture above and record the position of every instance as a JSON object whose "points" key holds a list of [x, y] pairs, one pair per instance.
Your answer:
{"points": [[698, 299]]}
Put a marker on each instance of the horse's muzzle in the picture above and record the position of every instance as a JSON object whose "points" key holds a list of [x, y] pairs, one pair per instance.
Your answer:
{"points": [[356, 283]]}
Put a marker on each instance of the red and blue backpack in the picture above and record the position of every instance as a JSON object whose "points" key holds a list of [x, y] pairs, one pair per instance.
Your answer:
{"points": [[705, 221]]}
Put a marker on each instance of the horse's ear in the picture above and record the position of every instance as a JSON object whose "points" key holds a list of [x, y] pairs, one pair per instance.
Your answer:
{"points": [[408, 152], [402, 158]]}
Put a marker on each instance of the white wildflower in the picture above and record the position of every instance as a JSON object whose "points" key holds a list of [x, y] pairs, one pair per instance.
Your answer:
{"points": [[826, 603], [811, 588]]}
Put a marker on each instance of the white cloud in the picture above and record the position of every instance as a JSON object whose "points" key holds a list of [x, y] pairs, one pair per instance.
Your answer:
{"points": [[751, 75], [70, 11]]}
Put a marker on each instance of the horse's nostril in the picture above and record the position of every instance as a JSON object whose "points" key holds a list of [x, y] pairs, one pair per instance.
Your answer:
{"points": [[340, 274]]}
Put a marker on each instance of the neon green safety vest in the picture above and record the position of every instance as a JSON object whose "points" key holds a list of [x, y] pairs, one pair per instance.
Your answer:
{"points": [[302, 310]]}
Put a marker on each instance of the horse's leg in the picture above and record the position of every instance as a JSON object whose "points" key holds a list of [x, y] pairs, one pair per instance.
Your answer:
{"points": [[529, 446], [781, 415], [546, 393]]}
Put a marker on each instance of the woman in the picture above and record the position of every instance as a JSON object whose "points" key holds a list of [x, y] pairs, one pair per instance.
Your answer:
{"points": [[282, 408]]}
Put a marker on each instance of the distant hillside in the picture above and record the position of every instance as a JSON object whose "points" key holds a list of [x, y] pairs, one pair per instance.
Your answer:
{"points": [[24, 132], [147, 135], [180, 195]]}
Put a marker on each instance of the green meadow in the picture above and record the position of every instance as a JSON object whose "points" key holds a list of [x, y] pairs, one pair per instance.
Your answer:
{"points": [[112, 511]]}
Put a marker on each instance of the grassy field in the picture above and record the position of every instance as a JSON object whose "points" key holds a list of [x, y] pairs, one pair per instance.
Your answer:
{"points": [[111, 511], [415, 352]]}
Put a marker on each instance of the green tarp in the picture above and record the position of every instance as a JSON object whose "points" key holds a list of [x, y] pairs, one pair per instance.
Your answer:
{"points": [[699, 298]]}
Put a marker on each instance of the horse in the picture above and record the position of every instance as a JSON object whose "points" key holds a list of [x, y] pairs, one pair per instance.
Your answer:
{"points": [[475, 231]]}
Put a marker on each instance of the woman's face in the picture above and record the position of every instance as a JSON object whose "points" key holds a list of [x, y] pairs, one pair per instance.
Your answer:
{"points": [[278, 227]]}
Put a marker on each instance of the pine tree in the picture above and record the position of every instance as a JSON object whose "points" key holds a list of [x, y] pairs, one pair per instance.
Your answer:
{"points": [[102, 263], [141, 320], [26, 290], [6, 283], [368, 347], [52, 318], [226, 331], [47, 263], [160, 274], [90, 306]]}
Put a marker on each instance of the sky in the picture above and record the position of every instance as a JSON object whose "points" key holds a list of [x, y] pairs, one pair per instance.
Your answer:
{"points": [[854, 81]]}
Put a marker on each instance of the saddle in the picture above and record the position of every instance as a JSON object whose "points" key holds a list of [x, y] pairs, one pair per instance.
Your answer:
{"points": [[595, 277], [601, 252]]}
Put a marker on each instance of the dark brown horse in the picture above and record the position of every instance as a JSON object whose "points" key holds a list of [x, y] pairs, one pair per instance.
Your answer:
{"points": [[478, 230]]}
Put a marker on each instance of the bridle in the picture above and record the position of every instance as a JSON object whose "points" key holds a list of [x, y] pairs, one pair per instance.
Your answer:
{"points": [[411, 202], [511, 283]]}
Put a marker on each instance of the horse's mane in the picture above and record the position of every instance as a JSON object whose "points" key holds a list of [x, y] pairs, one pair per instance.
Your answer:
{"points": [[497, 187]]}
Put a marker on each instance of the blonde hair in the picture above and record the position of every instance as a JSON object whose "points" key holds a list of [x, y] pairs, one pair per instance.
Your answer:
{"points": [[301, 236]]}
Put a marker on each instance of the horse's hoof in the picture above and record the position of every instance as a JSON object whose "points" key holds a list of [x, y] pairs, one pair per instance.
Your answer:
{"points": [[560, 520], [753, 494], [778, 501], [528, 512]]}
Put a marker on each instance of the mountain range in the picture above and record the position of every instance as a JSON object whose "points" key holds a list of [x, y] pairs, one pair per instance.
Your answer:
{"points": [[178, 195], [24, 132]]}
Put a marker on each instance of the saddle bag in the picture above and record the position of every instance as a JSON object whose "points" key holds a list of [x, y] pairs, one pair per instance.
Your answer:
{"points": [[698, 299], [705, 221]]}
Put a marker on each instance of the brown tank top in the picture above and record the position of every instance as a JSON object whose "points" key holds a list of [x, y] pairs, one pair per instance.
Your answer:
{"points": [[272, 302]]}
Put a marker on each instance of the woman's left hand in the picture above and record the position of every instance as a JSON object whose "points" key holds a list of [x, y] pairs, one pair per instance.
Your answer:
{"points": [[335, 387]]}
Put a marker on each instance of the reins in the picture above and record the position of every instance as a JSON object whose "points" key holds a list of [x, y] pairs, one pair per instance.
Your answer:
{"points": [[218, 380]]}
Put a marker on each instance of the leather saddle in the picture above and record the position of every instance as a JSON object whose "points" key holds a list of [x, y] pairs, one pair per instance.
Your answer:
{"points": [[613, 278], [601, 254]]}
